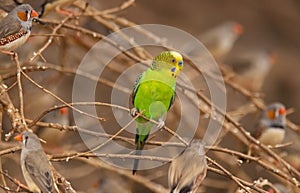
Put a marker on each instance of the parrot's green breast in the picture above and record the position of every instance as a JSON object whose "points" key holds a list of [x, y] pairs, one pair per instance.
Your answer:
{"points": [[154, 93]]}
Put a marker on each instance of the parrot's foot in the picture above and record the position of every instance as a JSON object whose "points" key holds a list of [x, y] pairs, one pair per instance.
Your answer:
{"points": [[133, 112], [161, 123]]}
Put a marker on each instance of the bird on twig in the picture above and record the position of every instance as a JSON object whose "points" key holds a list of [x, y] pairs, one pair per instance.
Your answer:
{"points": [[153, 95], [188, 170], [15, 28], [35, 164]]}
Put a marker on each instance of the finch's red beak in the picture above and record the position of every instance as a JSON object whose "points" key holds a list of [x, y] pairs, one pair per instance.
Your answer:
{"points": [[18, 137], [34, 14]]}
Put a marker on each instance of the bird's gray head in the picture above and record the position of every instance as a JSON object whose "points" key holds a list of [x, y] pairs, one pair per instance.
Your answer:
{"points": [[25, 13], [199, 146], [274, 116], [231, 29], [29, 140]]}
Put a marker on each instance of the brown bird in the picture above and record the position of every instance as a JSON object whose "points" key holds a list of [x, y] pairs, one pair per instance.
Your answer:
{"points": [[52, 136], [221, 39], [252, 69], [188, 170], [218, 40]]}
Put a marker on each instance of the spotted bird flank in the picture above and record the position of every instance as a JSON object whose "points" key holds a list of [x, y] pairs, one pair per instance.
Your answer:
{"points": [[8, 39], [15, 28]]}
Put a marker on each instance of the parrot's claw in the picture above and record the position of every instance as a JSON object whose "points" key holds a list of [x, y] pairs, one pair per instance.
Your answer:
{"points": [[161, 123], [133, 112]]}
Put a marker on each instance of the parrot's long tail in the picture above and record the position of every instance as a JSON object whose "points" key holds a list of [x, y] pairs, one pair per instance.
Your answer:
{"points": [[139, 147], [136, 161]]}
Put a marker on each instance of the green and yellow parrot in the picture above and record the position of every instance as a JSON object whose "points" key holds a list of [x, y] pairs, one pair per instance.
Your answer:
{"points": [[153, 95]]}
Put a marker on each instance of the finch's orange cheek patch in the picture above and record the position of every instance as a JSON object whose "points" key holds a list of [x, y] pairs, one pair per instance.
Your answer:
{"points": [[22, 16]]}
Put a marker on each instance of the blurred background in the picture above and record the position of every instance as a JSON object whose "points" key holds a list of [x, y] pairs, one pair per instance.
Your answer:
{"points": [[258, 40], [266, 25]]}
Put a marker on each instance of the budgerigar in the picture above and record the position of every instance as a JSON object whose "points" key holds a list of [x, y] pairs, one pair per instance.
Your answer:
{"points": [[153, 95]]}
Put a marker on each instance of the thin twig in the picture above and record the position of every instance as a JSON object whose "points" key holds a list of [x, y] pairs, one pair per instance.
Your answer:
{"points": [[61, 100], [1, 129], [17, 182], [21, 98], [12, 112], [41, 50]]}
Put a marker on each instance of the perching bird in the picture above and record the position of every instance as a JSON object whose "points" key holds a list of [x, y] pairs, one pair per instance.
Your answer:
{"points": [[271, 129], [218, 40], [52, 136], [253, 68], [34, 164], [153, 95], [15, 28], [188, 170]]}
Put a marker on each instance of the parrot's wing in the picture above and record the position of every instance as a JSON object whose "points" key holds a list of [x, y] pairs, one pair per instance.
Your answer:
{"points": [[39, 170], [172, 99], [131, 100], [135, 88]]}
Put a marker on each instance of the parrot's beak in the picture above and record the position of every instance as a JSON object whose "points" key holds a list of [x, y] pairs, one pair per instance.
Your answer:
{"points": [[178, 70], [18, 137]]}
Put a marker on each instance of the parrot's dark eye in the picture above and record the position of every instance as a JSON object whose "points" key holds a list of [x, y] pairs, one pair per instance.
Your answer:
{"points": [[173, 60]]}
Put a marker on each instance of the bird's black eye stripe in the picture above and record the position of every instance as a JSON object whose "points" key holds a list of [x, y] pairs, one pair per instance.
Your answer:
{"points": [[26, 139], [27, 14]]}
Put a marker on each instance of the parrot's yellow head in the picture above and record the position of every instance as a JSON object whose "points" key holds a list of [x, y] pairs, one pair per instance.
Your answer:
{"points": [[169, 60]]}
